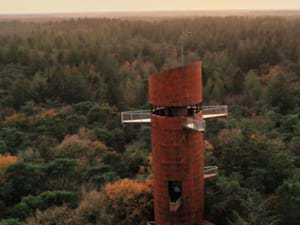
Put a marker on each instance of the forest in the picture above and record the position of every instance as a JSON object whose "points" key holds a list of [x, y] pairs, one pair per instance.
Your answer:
{"points": [[65, 158]]}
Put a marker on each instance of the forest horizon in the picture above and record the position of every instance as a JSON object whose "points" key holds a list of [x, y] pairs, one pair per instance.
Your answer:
{"points": [[35, 6]]}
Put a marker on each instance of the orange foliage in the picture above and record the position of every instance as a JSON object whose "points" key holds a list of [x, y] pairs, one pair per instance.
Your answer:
{"points": [[127, 189], [129, 201], [6, 160], [50, 113], [21, 119]]}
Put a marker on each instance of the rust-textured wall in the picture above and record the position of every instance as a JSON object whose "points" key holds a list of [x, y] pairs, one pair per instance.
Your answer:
{"points": [[181, 86], [177, 156], [176, 151]]}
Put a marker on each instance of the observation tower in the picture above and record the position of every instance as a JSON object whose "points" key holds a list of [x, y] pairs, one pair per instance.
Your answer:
{"points": [[177, 120]]}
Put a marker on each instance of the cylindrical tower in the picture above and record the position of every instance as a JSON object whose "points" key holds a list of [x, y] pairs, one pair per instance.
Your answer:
{"points": [[178, 152]]}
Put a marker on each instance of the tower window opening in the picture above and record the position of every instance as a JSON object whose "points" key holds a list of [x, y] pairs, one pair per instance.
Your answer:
{"points": [[175, 191]]}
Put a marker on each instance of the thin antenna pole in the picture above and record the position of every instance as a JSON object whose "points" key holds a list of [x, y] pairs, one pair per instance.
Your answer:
{"points": [[182, 50], [182, 36]]}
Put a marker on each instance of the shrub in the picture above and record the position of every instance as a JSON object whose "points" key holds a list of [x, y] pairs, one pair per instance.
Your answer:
{"points": [[54, 215], [43, 201], [83, 146], [9, 222]]}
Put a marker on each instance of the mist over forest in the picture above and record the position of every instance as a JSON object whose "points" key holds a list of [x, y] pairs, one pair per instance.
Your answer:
{"points": [[149, 15], [65, 158]]}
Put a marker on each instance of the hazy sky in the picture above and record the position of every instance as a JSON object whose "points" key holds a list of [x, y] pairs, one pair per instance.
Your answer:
{"points": [[48, 6]]}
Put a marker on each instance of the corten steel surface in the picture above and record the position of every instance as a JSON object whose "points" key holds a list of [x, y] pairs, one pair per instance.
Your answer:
{"points": [[178, 153], [181, 86]]}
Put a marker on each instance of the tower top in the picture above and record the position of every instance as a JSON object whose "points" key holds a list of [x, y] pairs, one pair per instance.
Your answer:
{"points": [[181, 86]]}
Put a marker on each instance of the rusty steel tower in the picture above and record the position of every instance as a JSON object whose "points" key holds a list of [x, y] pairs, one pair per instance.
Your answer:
{"points": [[177, 120]]}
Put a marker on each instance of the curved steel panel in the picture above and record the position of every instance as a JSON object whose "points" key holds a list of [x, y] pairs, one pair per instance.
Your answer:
{"points": [[181, 86]]}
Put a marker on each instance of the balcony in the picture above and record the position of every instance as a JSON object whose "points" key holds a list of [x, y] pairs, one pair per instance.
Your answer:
{"points": [[214, 111], [144, 116], [210, 171], [136, 117], [192, 124]]}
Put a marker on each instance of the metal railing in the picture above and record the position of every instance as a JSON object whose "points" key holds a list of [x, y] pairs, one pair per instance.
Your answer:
{"points": [[190, 123], [214, 111], [210, 171], [142, 116]]}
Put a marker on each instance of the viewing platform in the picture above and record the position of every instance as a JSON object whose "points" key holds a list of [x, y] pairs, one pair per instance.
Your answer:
{"points": [[144, 116], [136, 117], [215, 111]]}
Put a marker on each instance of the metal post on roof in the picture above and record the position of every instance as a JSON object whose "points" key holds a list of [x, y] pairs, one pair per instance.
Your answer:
{"points": [[182, 36]]}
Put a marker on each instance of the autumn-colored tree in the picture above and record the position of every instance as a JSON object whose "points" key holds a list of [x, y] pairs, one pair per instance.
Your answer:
{"points": [[5, 161], [83, 146], [54, 215], [130, 202]]}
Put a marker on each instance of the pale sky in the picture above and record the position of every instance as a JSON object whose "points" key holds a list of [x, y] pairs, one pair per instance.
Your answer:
{"points": [[54, 6]]}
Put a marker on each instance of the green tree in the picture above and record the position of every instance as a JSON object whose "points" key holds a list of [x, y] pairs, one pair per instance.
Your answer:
{"points": [[289, 201], [44, 201], [253, 86], [22, 179], [21, 92], [9, 222], [279, 94]]}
